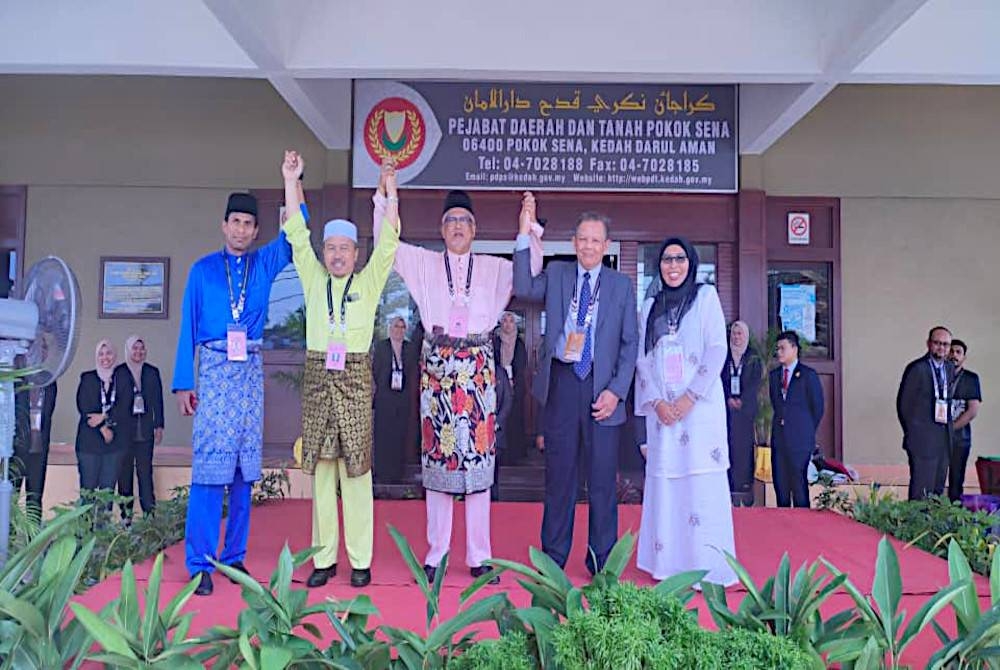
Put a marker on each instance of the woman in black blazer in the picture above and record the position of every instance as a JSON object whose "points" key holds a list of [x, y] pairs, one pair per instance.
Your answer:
{"points": [[98, 453], [140, 393]]}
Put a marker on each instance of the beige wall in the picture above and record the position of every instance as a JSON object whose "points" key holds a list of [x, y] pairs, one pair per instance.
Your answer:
{"points": [[918, 171]]}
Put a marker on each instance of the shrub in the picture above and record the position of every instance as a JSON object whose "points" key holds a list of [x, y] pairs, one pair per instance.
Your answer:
{"points": [[509, 652]]}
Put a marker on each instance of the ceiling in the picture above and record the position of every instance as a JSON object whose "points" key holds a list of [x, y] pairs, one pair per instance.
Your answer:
{"points": [[786, 54]]}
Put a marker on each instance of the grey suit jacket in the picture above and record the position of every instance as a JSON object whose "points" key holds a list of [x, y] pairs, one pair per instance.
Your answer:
{"points": [[616, 333]]}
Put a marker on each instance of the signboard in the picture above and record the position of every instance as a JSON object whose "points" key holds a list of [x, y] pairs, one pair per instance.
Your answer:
{"points": [[798, 309], [603, 137], [798, 228], [134, 287]]}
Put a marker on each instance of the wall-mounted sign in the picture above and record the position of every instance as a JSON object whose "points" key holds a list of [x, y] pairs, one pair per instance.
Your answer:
{"points": [[798, 228], [135, 287], [600, 137]]}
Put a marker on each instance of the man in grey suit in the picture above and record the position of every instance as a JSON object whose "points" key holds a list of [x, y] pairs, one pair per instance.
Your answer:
{"points": [[585, 369]]}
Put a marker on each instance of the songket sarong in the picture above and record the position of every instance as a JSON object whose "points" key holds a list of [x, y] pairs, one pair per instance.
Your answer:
{"points": [[229, 419], [337, 413], [457, 413]]}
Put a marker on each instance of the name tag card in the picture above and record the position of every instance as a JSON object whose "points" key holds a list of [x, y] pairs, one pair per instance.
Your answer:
{"points": [[236, 342], [574, 346], [941, 411], [138, 404], [336, 355], [397, 380], [673, 364], [734, 386], [36, 419], [458, 321]]}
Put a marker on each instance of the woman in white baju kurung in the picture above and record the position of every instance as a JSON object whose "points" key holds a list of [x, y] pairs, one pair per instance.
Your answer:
{"points": [[687, 519]]}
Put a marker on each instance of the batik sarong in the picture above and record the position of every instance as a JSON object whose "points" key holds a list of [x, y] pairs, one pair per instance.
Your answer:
{"points": [[337, 413], [229, 419], [457, 413]]}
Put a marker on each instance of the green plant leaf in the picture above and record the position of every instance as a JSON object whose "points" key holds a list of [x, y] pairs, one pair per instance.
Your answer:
{"points": [[681, 584], [620, 555], [103, 633], [128, 600], [928, 611], [966, 603], [26, 614], [481, 610], [551, 574], [887, 588], [151, 619], [416, 568], [275, 658], [248, 652], [995, 578]]}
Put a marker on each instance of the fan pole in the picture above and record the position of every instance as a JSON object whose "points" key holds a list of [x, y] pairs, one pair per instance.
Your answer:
{"points": [[7, 419]]}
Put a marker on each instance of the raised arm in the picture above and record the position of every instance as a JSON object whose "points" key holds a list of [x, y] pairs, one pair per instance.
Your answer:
{"points": [[528, 284], [294, 227]]}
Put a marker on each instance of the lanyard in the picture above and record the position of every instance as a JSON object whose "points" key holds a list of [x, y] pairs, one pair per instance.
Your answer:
{"points": [[236, 306], [673, 317], [574, 304], [940, 384], [734, 370], [397, 363], [343, 302], [468, 278], [105, 404]]}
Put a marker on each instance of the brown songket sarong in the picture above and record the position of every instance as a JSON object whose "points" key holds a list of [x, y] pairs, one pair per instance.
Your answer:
{"points": [[457, 413], [337, 413]]}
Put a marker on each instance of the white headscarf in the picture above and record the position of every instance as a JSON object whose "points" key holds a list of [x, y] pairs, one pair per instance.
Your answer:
{"points": [[102, 372], [737, 354]]}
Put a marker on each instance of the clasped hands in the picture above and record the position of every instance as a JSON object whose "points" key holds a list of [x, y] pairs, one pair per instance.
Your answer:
{"points": [[670, 413]]}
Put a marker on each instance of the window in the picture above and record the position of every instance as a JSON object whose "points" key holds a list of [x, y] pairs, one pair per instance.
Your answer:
{"points": [[798, 298], [286, 312], [647, 270]]}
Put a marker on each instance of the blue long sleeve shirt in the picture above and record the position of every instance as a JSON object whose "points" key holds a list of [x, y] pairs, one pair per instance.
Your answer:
{"points": [[206, 312]]}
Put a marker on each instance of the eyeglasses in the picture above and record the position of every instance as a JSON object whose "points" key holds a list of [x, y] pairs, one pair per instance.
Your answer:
{"points": [[460, 218], [680, 259]]}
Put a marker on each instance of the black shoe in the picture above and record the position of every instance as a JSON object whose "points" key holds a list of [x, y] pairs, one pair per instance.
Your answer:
{"points": [[205, 586], [320, 576], [238, 565], [482, 570], [361, 578], [430, 571]]}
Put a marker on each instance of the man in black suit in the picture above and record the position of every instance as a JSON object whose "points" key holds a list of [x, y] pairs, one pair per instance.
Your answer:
{"points": [[797, 399], [585, 369], [924, 411]]}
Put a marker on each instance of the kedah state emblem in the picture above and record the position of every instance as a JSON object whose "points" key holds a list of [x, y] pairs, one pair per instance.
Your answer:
{"points": [[395, 129]]}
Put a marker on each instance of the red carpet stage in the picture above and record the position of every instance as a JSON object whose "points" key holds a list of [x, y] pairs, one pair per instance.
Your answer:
{"points": [[762, 536]]}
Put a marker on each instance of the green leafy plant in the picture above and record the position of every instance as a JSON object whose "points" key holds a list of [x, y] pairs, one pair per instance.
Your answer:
{"points": [[887, 638], [786, 607], [36, 586], [977, 644], [440, 647], [931, 524], [152, 639], [274, 484], [509, 652], [833, 498]]}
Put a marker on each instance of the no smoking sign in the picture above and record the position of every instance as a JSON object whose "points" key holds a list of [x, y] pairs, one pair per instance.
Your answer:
{"points": [[798, 228]]}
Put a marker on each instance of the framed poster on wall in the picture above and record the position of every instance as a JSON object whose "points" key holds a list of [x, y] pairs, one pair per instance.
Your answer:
{"points": [[134, 287]]}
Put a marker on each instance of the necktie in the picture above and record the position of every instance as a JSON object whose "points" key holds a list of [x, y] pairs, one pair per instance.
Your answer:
{"points": [[939, 373], [582, 366], [784, 380]]}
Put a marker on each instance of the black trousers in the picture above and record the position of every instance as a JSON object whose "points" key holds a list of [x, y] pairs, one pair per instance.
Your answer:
{"points": [[788, 469], [99, 470], [927, 473], [137, 463], [31, 469], [957, 462], [574, 440]]}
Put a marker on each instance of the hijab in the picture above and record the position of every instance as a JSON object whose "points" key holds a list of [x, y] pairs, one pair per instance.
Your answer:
{"points": [[672, 301], [133, 367], [105, 373], [737, 353], [507, 341]]}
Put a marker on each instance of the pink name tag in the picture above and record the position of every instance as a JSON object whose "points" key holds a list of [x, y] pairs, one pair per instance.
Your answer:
{"points": [[236, 343], [458, 321], [673, 364], [336, 356]]}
